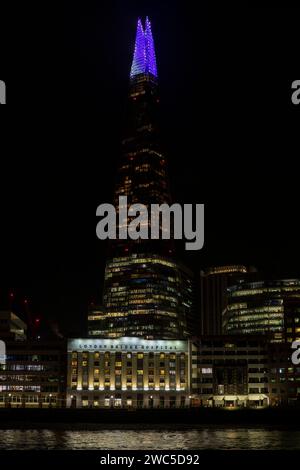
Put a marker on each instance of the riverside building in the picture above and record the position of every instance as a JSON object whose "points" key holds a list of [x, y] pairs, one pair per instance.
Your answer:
{"points": [[128, 372], [33, 375]]}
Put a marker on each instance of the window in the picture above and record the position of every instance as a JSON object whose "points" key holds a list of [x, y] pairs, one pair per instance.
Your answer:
{"points": [[85, 401], [206, 370]]}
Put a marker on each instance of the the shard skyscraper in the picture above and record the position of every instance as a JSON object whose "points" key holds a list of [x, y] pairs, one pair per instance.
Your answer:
{"points": [[147, 293]]}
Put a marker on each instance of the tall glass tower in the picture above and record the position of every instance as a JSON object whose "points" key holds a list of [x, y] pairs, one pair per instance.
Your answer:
{"points": [[147, 292]]}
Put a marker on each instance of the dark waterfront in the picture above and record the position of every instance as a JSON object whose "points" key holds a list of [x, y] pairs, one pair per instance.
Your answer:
{"points": [[204, 438]]}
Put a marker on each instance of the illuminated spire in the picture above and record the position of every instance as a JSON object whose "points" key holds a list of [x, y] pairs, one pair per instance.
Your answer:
{"points": [[144, 60], [150, 50]]}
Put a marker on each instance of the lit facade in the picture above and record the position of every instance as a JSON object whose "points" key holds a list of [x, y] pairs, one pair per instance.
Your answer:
{"points": [[147, 293], [213, 371], [229, 372], [291, 305], [33, 375], [264, 307], [12, 327], [127, 373], [284, 376], [213, 295]]}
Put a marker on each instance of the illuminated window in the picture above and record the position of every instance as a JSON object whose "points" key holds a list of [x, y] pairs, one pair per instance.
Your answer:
{"points": [[85, 402], [140, 356]]}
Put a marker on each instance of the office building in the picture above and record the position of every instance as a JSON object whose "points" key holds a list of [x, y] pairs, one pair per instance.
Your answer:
{"points": [[33, 374], [264, 307], [229, 372], [213, 295]]}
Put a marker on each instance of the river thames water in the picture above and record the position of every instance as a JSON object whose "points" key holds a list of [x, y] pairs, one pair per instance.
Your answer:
{"points": [[214, 437]]}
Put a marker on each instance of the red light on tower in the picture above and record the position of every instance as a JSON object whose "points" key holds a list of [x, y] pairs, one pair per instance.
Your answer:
{"points": [[37, 320]]}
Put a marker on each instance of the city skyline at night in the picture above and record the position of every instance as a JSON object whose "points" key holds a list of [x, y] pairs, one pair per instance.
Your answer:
{"points": [[57, 263], [150, 262]]}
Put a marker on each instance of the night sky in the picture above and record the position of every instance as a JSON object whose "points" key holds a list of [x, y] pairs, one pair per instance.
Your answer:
{"points": [[231, 134]]}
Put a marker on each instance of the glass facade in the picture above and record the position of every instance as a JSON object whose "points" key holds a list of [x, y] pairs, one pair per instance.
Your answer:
{"points": [[147, 292], [261, 308], [213, 296], [145, 295]]}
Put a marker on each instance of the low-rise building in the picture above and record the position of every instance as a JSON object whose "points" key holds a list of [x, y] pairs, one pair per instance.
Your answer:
{"points": [[128, 372], [229, 372], [33, 374]]}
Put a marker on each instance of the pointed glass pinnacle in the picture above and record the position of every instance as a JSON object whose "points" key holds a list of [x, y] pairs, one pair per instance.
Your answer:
{"points": [[144, 59]]}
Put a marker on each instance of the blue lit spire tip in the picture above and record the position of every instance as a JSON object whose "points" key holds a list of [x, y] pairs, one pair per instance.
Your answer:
{"points": [[144, 58]]}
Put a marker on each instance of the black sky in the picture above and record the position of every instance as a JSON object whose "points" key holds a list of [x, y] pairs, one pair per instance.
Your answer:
{"points": [[231, 134]]}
